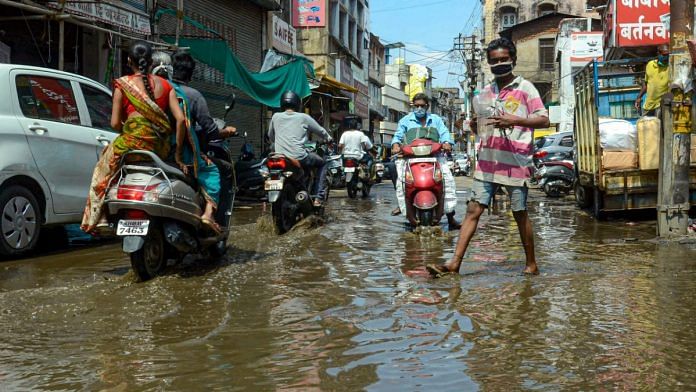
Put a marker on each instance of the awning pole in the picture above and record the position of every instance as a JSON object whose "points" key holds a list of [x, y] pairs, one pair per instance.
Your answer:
{"points": [[179, 19], [61, 45]]}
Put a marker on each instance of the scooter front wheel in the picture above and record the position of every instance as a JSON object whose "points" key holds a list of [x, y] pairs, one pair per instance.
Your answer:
{"points": [[149, 261], [425, 217]]}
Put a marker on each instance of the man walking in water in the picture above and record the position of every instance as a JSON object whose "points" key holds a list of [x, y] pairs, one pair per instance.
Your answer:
{"points": [[505, 154]]}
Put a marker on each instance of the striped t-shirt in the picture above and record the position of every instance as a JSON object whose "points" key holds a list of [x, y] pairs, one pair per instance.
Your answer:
{"points": [[505, 155]]}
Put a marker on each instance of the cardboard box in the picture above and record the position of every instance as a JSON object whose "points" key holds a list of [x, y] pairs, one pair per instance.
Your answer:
{"points": [[648, 143], [619, 160]]}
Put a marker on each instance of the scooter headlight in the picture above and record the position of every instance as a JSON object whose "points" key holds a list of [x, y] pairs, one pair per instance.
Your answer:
{"points": [[422, 150]]}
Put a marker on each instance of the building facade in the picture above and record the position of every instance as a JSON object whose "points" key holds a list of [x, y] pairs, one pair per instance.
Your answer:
{"points": [[499, 15], [376, 76]]}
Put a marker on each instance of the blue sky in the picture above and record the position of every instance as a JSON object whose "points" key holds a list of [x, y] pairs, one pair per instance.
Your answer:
{"points": [[428, 28]]}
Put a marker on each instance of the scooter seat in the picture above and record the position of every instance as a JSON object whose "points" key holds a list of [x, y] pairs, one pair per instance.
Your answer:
{"points": [[168, 169]]}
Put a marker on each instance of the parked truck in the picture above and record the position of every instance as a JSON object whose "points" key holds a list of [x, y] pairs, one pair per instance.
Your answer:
{"points": [[609, 89]]}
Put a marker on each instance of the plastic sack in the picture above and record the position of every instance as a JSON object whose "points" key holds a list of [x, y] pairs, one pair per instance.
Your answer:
{"points": [[617, 135], [484, 106]]}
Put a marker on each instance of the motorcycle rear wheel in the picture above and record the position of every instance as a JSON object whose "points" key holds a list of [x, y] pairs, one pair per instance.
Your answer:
{"points": [[149, 261], [366, 190], [425, 217], [283, 214], [352, 190]]}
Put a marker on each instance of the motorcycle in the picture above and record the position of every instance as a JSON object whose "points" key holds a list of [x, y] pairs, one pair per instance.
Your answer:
{"points": [[156, 210], [288, 187], [556, 177], [357, 176], [248, 173], [424, 186], [379, 172], [335, 176], [462, 167]]}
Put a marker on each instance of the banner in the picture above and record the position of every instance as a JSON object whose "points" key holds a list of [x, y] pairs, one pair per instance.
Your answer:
{"points": [[639, 23], [309, 13], [584, 47]]}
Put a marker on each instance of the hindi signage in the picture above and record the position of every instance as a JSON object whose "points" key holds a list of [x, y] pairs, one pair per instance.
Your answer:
{"points": [[108, 13], [639, 23], [283, 37], [362, 100], [309, 13], [585, 46]]}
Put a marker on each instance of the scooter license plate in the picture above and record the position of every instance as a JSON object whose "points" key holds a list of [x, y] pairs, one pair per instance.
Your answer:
{"points": [[132, 227], [273, 185], [349, 170]]}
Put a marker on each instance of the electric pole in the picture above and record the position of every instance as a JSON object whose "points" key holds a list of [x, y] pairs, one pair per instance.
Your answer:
{"points": [[468, 49], [675, 138]]}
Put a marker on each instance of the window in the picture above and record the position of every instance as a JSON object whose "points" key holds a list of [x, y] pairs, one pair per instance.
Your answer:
{"points": [[379, 67], [566, 141], [98, 106], [508, 16], [47, 98], [545, 9], [546, 54]]}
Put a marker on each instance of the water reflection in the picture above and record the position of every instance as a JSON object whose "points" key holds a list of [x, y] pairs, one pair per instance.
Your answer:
{"points": [[347, 307]]}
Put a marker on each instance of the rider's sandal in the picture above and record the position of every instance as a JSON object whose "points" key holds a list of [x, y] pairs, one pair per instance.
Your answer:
{"points": [[438, 271], [211, 225]]}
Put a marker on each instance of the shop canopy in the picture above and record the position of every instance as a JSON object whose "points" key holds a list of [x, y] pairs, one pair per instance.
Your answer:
{"points": [[266, 87], [331, 82]]}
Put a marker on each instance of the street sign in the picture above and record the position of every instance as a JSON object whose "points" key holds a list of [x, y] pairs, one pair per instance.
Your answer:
{"points": [[640, 23], [584, 47]]}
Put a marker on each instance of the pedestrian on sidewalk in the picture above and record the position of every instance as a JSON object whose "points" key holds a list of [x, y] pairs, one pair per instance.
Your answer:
{"points": [[505, 153]]}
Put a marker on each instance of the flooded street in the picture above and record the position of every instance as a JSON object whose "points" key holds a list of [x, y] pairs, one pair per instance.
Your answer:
{"points": [[345, 307]]}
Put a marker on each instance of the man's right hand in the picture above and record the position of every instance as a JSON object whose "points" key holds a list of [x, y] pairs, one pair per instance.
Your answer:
{"points": [[396, 148], [229, 131], [637, 104]]}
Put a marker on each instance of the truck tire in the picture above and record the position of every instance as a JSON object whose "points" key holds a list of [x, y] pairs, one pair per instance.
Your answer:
{"points": [[583, 195], [20, 220], [597, 205]]}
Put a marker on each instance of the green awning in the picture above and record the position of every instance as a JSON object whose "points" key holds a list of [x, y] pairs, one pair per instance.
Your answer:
{"points": [[266, 87]]}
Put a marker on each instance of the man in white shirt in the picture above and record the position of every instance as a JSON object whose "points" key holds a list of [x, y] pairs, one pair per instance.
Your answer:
{"points": [[354, 142]]}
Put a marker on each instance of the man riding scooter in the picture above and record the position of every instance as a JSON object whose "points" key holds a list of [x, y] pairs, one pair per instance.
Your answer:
{"points": [[289, 132], [421, 118], [354, 142]]}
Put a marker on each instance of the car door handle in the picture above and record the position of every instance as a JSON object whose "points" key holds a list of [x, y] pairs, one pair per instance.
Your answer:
{"points": [[103, 140], [38, 129]]}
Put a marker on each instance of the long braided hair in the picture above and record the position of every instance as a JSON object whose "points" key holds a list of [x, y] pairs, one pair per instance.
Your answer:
{"points": [[140, 54]]}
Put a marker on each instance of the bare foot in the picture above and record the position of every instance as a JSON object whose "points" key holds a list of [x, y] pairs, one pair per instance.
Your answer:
{"points": [[531, 270]]}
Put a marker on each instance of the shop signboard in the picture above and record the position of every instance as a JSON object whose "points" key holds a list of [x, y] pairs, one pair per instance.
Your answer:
{"points": [[309, 13], [584, 47], [283, 37], [118, 16], [346, 72], [639, 23], [362, 100]]}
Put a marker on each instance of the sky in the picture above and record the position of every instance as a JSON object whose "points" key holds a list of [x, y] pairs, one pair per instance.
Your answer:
{"points": [[427, 28]]}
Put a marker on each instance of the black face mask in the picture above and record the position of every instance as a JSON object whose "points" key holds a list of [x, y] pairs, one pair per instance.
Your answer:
{"points": [[501, 69]]}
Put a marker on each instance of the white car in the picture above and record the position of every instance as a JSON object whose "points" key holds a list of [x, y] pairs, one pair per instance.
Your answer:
{"points": [[53, 126]]}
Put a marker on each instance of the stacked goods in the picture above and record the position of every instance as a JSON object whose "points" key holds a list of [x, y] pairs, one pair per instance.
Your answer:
{"points": [[618, 140], [649, 143]]}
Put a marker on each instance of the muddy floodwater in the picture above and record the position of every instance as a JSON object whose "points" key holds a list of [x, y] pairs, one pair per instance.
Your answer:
{"points": [[345, 307]]}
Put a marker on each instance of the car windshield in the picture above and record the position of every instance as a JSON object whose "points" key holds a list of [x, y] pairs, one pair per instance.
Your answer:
{"points": [[544, 141]]}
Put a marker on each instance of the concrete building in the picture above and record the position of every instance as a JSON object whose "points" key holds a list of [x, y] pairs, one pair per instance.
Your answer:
{"points": [[376, 74], [337, 41], [499, 15], [394, 98]]}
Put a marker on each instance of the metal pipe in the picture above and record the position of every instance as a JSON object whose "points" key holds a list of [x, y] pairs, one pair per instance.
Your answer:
{"points": [[61, 45]]}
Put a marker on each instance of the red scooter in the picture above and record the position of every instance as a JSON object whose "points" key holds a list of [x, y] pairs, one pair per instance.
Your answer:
{"points": [[424, 187]]}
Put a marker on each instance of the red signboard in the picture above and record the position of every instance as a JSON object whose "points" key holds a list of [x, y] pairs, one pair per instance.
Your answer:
{"points": [[309, 13], [639, 22]]}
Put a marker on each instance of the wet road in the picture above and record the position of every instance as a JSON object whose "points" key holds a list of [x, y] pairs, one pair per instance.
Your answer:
{"points": [[341, 308]]}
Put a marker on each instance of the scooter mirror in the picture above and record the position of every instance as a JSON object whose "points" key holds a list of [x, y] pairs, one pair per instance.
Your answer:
{"points": [[229, 103], [245, 134]]}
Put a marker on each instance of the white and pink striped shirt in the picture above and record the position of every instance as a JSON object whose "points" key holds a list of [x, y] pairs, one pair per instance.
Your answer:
{"points": [[505, 155]]}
